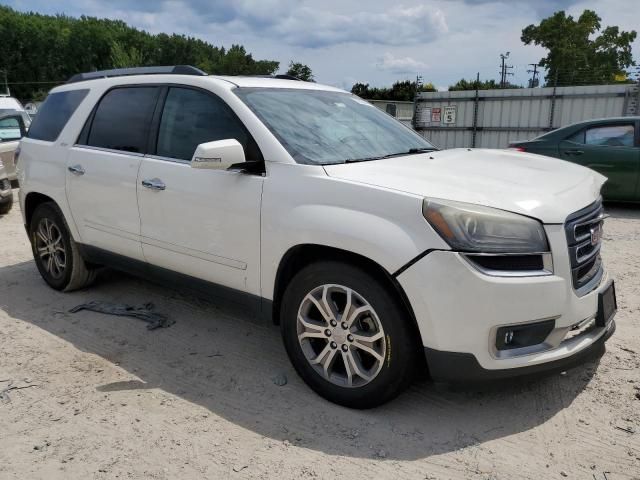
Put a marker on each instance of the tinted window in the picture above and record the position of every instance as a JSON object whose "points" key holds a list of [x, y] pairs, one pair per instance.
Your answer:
{"points": [[577, 137], [121, 121], [191, 117], [55, 113], [612, 135]]}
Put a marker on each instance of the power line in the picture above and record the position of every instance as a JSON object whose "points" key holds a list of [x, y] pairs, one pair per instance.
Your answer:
{"points": [[37, 82]]}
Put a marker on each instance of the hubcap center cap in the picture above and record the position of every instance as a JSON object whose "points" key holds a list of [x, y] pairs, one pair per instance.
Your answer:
{"points": [[339, 335]]}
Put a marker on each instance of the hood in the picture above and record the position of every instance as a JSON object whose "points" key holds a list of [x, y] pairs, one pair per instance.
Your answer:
{"points": [[542, 187]]}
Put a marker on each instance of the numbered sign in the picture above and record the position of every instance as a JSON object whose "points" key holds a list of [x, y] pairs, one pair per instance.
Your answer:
{"points": [[449, 115]]}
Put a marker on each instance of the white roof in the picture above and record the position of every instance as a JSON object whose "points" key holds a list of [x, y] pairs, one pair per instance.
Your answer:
{"points": [[269, 82], [10, 103], [222, 80]]}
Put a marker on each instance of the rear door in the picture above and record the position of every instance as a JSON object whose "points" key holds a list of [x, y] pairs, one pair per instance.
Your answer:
{"points": [[202, 223], [103, 170], [612, 149]]}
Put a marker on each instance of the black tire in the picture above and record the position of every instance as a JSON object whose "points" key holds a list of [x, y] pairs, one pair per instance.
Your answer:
{"points": [[6, 206], [400, 357], [75, 274]]}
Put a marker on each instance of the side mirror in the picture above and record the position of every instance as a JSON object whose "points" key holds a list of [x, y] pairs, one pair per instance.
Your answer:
{"points": [[218, 155]]}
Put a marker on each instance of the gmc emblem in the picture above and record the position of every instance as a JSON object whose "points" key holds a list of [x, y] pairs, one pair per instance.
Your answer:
{"points": [[596, 234]]}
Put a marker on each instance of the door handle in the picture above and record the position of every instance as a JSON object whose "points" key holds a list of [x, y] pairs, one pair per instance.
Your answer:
{"points": [[76, 169], [573, 152], [154, 184]]}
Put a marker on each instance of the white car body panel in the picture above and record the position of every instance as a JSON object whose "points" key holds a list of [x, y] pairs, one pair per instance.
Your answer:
{"points": [[103, 200], [7, 151], [532, 185], [224, 247]]}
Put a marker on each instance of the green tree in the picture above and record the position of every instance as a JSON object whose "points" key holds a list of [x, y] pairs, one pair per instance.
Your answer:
{"points": [[300, 71], [40, 51], [122, 58], [576, 56], [400, 91], [428, 87], [464, 84]]}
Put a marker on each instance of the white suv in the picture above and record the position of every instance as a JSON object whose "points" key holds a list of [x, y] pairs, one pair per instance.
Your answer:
{"points": [[377, 254]]}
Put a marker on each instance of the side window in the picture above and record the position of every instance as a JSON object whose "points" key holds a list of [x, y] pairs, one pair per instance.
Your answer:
{"points": [[10, 129], [392, 109], [610, 135], [577, 137], [122, 119], [54, 114], [191, 117]]}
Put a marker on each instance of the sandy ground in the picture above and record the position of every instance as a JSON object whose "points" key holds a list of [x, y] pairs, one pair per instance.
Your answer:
{"points": [[106, 398]]}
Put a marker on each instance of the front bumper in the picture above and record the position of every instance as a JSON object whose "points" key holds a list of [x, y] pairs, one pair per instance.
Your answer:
{"points": [[464, 367], [459, 309]]}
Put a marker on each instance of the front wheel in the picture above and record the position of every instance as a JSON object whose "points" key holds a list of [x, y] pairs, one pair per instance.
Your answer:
{"points": [[347, 335]]}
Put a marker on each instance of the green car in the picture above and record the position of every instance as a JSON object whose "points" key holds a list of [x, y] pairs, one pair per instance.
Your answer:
{"points": [[609, 146]]}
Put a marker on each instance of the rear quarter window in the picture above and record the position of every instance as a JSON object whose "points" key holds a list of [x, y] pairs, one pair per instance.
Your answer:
{"points": [[55, 113]]}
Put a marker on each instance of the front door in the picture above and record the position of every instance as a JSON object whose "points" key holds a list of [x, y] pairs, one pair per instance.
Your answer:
{"points": [[102, 170], [202, 223], [611, 149]]}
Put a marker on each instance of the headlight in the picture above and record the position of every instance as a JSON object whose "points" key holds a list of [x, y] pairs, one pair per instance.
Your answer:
{"points": [[472, 228]]}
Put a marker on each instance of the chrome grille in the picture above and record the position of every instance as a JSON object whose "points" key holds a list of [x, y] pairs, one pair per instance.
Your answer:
{"points": [[584, 239]]}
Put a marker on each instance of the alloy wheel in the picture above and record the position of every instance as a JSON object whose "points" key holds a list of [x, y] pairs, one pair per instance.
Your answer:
{"points": [[341, 335], [49, 247]]}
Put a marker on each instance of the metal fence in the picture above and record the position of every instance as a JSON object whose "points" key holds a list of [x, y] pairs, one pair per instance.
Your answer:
{"points": [[400, 110], [493, 118]]}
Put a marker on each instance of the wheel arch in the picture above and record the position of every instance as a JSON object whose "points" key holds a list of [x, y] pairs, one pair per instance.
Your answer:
{"points": [[299, 256], [31, 201]]}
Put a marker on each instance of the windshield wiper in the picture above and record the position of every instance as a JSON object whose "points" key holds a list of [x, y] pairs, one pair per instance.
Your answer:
{"points": [[411, 151], [366, 159]]}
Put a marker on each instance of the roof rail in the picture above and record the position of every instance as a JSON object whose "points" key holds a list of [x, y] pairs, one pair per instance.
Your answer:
{"points": [[121, 72], [287, 77], [281, 77]]}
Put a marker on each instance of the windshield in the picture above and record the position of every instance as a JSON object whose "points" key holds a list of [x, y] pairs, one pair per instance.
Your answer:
{"points": [[320, 127]]}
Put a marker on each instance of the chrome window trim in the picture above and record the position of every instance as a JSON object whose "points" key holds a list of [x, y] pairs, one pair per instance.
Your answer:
{"points": [[108, 150], [168, 159]]}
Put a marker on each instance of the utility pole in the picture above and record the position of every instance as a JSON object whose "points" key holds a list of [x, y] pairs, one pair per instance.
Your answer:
{"points": [[533, 83], [418, 84], [504, 69]]}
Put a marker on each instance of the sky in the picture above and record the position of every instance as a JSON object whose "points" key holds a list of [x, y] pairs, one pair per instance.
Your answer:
{"points": [[372, 41]]}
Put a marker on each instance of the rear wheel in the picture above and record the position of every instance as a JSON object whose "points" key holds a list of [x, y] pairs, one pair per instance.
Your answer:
{"points": [[55, 252], [347, 335]]}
